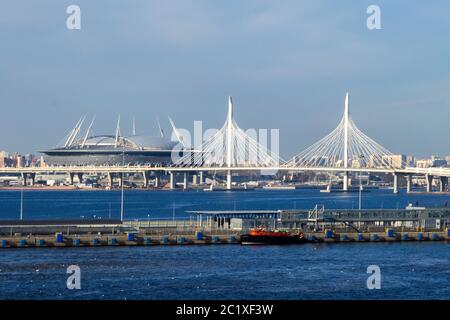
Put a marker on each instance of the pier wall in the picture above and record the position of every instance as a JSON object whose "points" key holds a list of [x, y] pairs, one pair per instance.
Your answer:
{"points": [[188, 233]]}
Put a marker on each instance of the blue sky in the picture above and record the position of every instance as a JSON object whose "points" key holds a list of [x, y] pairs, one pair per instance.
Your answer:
{"points": [[287, 65]]}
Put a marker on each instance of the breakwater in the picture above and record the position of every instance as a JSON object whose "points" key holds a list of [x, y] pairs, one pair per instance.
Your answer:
{"points": [[61, 234], [36, 241]]}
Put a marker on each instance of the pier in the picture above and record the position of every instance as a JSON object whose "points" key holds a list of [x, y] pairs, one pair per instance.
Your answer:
{"points": [[225, 227]]}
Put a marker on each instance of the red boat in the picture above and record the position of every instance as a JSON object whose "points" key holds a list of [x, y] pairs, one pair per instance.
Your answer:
{"points": [[263, 236]]}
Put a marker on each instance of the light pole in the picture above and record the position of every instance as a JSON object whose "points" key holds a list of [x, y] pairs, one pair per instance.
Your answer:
{"points": [[173, 211], [121, 197], [360, 194], [21, 203]]}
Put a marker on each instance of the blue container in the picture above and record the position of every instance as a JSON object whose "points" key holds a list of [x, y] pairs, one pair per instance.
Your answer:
{"points": [[199, 235], [22, 243], [312, 238], [181, 240], [216, 239], [328, 234], [4, 243], [148, 241], [420, 236], [434, 237], [374, 237], [76, 242], [405, 237], [232, 239], [344, 237], [95, 242], [165, 239], [390, 233], [448, 232], [59, 237], [130, 236], [360, 237], [41, 242], [114, 242]]}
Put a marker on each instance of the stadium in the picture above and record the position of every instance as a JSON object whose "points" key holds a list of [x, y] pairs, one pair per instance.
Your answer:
{"points": [[111, 149]]}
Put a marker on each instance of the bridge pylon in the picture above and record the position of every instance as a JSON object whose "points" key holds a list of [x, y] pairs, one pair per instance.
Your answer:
{"points": [[230, 147], [346, 147]]}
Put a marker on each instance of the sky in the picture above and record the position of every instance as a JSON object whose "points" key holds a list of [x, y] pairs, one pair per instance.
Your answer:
{"points": [[287, 64]]}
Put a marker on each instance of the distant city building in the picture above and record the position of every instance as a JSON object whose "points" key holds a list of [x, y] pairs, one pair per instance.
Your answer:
{"points": [[395, 160], [447, 158], [16, 160], [438, 162], [410, 161], [19, 161], [424, 163], [42, 163], [28, 160], [356, 163], [4, 156]]}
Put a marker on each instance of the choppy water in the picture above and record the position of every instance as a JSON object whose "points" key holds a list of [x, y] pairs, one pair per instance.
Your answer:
{"points": [[159, 204], [312, 271], [337, 271]]}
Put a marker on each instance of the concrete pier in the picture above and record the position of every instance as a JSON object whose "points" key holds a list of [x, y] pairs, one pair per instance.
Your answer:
{"points": [[443, 184], [345, 182], [172, 180], [186, 233], [229, 181], [32, 178], [157, 180], [146, 177], [221, 227], [408, 183], [110, 179], [71, 178], [395, 183], [185, 180], [429, 182], [24, 178]]}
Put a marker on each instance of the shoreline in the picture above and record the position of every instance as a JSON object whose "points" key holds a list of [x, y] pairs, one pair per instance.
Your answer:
{"points": [[70, 188], [75, 188]]}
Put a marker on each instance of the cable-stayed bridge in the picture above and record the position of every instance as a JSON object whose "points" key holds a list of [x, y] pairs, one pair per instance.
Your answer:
{"points": [[228, 149], [344, 150]]}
